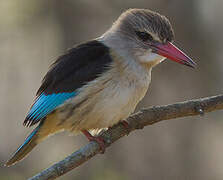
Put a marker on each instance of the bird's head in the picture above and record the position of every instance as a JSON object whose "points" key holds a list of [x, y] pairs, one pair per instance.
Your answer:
{"points": [[147, 36]]}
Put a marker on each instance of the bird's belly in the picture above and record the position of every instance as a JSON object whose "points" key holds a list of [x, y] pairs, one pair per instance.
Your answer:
{"points": [[105, 101], [104, 109]]}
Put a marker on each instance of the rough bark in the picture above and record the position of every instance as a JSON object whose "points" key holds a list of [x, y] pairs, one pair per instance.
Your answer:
{"points": [[138, 120]]}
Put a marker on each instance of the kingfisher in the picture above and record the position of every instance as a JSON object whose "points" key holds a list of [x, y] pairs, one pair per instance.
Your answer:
{"points": [[99, 83]]}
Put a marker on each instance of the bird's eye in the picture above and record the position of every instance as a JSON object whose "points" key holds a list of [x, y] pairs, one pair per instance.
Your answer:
{"points": [[144, 36]]}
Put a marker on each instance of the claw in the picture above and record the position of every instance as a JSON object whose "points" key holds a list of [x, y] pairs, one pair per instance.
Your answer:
{"points": [[126, 126], [99, 140]]}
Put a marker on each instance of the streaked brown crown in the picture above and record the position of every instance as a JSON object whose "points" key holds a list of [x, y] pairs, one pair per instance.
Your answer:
{"points": [[145, 20]]}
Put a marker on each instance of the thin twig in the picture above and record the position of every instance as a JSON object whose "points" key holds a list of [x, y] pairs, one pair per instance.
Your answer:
{"points": [[143, 118]]}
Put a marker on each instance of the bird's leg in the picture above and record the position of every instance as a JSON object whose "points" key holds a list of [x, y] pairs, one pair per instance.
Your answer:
{"points": [[126, 126], [99, 140], [124, 123]]}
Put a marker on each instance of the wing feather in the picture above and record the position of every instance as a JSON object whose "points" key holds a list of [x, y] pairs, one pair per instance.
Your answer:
{"points": [[68, 73]]}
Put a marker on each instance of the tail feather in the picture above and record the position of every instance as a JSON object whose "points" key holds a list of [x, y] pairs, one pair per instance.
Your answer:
{"points": [[30, 142]]}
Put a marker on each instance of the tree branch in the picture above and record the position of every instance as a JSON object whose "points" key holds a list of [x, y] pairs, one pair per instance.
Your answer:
{"points": [[143, 118]]}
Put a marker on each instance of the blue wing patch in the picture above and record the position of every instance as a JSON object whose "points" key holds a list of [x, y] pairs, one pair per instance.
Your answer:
{"points": [[44, 105]]}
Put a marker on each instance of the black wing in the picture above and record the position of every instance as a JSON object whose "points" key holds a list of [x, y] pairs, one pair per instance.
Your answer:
{"points": [[79, 65], [69, 72]]}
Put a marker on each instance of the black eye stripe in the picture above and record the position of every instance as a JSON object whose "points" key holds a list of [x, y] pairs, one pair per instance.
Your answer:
{"points": [[144, 36]]}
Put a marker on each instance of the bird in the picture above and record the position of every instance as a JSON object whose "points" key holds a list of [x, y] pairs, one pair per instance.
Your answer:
{"points": [[98, 83]]}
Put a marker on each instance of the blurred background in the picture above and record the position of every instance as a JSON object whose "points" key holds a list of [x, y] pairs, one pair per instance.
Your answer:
{"points": [[34, 33]]}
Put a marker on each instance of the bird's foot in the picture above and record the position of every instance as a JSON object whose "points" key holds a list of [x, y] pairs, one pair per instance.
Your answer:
{"points": [[99, 140], [126, 126]]}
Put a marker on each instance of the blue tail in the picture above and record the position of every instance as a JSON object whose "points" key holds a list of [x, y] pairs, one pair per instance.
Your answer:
{"points": [[26, 147]]}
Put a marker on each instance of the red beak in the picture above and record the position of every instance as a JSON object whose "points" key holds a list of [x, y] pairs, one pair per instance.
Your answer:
{"points": [[171, 52]]}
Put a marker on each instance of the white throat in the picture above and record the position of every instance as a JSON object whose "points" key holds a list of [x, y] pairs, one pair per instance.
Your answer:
{"points": [[150, 57]]}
